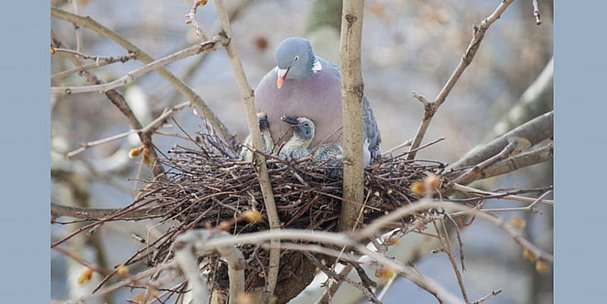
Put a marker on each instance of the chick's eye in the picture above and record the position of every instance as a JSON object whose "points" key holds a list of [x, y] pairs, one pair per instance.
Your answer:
{"points": [[296, 58]]}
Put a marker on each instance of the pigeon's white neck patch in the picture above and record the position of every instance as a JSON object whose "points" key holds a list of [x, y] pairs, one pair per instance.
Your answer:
{"points": [[317, 65]]}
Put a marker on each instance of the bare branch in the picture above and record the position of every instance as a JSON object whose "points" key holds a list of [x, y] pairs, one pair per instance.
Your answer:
{"points": [[186, 91], [430, 108], [190, 245], [519, 161], [522, 199], [202, 48], [352, 94], [535, 131], [150, 128], [260, 162], [341, 240], [536, 13]]}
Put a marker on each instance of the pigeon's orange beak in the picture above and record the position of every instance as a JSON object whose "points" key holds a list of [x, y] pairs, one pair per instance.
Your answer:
{"points": [[281, 75]]}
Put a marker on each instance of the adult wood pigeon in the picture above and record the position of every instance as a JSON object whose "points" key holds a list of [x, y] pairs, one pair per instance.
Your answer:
{"points": [[303, 84]]}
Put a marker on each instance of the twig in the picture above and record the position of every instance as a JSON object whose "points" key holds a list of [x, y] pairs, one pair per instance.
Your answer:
{"points": [[202, 48], [98, 59], [535, 131], [493, 293], [405, 143], [519, 161], [337, 239], [330, 292], [443, 236], [430, 108], [377, 225], [77, 27], [194, 98], [522, 199], [92, 214], [536, 13], [189, 246], [151, 127], [260, 163], [118, 100], [365, 289], [191, 18], [474, 172], [352, 93]]}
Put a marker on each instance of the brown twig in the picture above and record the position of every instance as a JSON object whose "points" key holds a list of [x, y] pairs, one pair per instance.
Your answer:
{"points": [[519, 161], [536, 12], [181, 87], [430, 108], [535, 131], [474, 172], [443, 236], [118, 100], [260, 163], [98, 59], [484, 298], [203, 48], [149, 129], [189, 246]]}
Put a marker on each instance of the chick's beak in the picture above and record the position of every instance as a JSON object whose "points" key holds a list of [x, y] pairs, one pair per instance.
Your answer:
{"points": [[290, 120], [281, 75]]}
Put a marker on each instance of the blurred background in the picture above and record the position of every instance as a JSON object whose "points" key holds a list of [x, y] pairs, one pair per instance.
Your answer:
{"points": [[407, 46]]}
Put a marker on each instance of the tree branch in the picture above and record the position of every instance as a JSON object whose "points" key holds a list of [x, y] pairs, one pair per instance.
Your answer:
{"points": [[142, 56], [430, 108], [535, 131], [203, 48], [189, 246], [260, 162], [352, 94]]}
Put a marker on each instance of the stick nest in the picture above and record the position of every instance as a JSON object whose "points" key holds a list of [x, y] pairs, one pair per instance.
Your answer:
{"points": [[206, 187]]}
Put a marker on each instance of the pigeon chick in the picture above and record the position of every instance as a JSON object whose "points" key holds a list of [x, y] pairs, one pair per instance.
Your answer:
{"points": [[303, 134], [267, 142]]}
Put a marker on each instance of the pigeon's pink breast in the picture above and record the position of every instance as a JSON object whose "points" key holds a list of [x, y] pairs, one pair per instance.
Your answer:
{"points": [[317, 96]]}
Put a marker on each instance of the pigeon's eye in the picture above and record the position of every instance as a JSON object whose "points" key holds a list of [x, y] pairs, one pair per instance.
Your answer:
{"points": [[296, 58], [306, 124]]}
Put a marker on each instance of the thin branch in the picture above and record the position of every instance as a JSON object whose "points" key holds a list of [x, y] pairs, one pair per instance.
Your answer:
{"points": [[202, 48], [150, 128], [189, 246], [330, 292], [352, 93], [118, 100], [519, 161], [98, 59], [94, 214], [181, 87], [535, 131], [488, 194], [491, 294], [377, 225], [474, 172], [260, 162], [536, 13], [430, 108], [443, 237], [337, 239], [366, 290]]}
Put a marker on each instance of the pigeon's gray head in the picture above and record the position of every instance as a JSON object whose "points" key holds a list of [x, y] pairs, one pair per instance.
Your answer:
{"points": [[262, 120], [294, 59], [303, 127]]}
